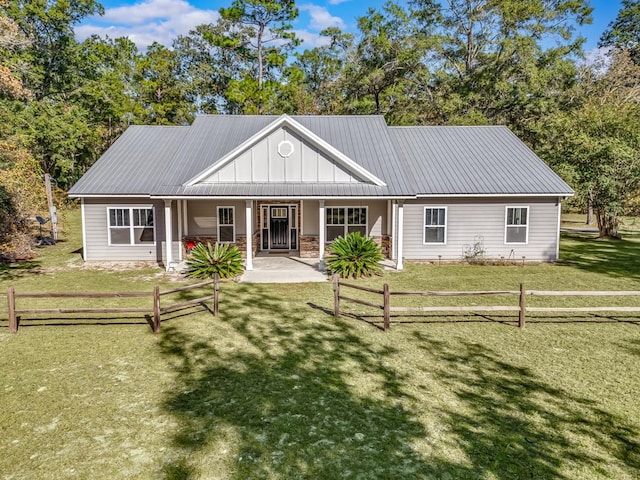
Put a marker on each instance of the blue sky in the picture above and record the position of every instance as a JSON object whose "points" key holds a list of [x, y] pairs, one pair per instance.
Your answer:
{"points": [[145, 21]]}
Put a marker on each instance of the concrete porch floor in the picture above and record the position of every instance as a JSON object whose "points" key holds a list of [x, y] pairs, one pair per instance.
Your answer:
{"points": [[283, 269]]}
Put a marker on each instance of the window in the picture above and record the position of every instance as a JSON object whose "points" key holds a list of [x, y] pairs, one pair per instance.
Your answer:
{"points": [[516, 229], [343, 220], [435, 225], [226, 228], [131, 226]]}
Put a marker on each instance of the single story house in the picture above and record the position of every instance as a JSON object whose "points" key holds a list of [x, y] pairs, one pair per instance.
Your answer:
{"points": [[295, 183]]}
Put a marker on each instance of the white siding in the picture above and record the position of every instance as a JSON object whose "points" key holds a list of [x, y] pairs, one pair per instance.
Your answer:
{"points": [[482, 219], [262, 163], [97, 235]]}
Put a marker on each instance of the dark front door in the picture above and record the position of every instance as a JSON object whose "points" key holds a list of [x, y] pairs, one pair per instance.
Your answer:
{"points": [[279, 227]]}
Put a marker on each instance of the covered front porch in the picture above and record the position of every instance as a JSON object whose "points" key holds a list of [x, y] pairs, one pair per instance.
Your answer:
{"points": [[292, 229]]}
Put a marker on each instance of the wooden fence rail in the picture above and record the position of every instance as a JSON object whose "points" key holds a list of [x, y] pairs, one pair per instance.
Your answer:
{"points": [[521, 308], [157, 310]]}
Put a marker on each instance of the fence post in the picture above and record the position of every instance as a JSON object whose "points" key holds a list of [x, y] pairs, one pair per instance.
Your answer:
{"points": [[336, 295], [156, 309], [216, 290], [386, 306], [521, 316], [11, 305]]}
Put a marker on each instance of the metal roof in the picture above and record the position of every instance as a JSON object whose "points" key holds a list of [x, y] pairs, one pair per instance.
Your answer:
{"points": [[132, 164], [483, 160], [160, 161]]}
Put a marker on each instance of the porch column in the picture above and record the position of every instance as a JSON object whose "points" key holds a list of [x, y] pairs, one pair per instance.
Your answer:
{"points": [[185, 220], [394, 231], [168, 224], [249, 233], [179, 207], [399, 265], [321, 233]]}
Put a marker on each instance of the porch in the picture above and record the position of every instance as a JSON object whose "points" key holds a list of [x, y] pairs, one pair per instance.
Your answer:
{"points": [[292, 230]]}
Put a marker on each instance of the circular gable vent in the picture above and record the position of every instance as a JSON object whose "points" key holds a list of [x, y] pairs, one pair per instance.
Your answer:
{"points": [[285, 149]]}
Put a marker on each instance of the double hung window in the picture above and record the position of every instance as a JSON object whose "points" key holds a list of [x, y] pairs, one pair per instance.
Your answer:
{"points": [[517, 225], [435, 225], [226, 226]]}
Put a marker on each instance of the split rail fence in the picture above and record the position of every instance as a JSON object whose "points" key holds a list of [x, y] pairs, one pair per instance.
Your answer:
{"points": [[156, 311], [521, 308]]}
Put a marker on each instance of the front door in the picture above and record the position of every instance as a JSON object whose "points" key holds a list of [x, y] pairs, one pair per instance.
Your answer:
{"points": [[279, 227]]}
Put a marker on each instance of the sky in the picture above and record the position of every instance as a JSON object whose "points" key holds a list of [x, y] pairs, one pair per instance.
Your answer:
{"points": [[145, 21]]}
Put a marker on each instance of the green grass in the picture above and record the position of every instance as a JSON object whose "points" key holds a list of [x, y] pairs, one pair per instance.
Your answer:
{"points": [[278, 388]]}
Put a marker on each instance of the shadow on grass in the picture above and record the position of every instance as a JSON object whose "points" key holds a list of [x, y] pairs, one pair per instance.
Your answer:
{"points": [[14, 271], [274, 394], [286, 395], [617, 258], [512, 425]]}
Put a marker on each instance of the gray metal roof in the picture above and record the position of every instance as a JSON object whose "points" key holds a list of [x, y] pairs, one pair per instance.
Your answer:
{"points": [[159, 161], [483, 160], [132, 164], [364, 139]]}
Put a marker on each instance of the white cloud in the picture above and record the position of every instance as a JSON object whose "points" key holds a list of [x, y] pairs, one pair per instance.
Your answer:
{"points": [[310, 39], [321, 18], [148, 21]]}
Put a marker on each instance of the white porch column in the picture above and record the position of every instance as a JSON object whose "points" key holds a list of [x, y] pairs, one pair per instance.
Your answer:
{"points": [[179, 207], [321, 233], [168, 224], [394, 231], [249, 233], [399, 265], [185, 220]]}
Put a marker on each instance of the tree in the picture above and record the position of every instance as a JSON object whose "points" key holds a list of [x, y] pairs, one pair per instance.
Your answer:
{"points": [[624, 31], [11, 41], [52, 52], [260, 30], [501, 61], [162, 88], [321, 69], [22, 196], [598, 144], [388, 49]]}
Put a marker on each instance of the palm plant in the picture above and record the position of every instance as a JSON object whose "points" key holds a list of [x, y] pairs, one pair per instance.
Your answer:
{"points": [[207, 260], [354, 256]]}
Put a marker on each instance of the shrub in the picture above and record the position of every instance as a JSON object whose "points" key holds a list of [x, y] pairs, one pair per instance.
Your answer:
{"points": [[354, 256], [207, 260]]}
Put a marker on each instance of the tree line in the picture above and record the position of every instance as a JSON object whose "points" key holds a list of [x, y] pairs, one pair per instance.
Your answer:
{"points": [[425, 62]]}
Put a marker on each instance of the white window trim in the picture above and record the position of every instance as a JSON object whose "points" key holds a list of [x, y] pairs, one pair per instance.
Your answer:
{"points": [[233, 209], [346, 215], [424, 224], [528, 224], [131, 227]]}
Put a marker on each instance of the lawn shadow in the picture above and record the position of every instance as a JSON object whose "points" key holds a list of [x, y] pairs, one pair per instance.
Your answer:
{"points": [[617, 258], [272, 394], [287, 397], [14, 271], [513, 425]]}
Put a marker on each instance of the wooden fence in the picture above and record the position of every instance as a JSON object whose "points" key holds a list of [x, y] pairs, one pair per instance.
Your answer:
{"points": [[157, 310], [521, 308]]}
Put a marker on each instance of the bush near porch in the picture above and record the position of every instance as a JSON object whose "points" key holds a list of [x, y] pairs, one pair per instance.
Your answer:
{"points": [[278, 388]]}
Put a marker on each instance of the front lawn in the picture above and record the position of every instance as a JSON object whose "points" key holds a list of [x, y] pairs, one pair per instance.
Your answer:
{"points": [[276, 388]]}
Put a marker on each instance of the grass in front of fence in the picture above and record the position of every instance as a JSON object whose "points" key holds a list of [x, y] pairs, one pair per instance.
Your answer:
{"points": [[278, 388]]}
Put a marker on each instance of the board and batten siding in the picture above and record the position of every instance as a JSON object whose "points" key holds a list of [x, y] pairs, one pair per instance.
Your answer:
{"points": [[96, 228], [482, 219], [262, 164]]}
